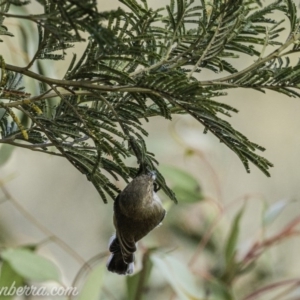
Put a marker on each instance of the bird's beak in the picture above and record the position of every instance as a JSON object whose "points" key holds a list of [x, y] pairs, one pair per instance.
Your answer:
{"points": [[152, 174]]}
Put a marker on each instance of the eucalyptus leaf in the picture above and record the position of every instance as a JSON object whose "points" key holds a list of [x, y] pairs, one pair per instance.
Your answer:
{"points": [[5, 153], [92, 288], [180, 278], [273, 211], [30, 265], [10, 280], [184, 185]]}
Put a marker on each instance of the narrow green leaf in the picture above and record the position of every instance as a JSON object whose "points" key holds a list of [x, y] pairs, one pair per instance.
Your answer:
{"points": [[292, 14], [171, 18], [231, 243]]}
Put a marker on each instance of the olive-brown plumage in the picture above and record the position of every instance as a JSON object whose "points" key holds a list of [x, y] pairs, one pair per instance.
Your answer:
{"points": [[137, 210]]}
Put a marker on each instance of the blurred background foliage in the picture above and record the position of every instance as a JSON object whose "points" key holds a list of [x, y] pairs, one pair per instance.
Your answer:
{"points": [[232, 236]]}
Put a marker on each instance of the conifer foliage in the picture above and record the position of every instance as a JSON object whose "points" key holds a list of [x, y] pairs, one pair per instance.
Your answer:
{"points": [[141, 62]]}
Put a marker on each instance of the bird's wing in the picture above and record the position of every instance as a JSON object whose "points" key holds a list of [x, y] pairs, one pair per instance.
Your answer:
{"points": [[128, 247]]}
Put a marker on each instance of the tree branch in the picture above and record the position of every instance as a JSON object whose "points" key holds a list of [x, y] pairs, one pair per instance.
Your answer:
{"points": [[293, 38]]}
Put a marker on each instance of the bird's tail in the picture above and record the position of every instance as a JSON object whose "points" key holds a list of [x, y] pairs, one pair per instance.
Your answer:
{"points": [[116, 263]]}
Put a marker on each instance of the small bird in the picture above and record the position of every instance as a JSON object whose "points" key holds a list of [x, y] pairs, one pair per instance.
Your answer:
{"points": [[137, 210]]}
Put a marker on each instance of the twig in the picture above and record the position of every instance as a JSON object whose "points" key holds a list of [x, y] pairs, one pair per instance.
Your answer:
{"points": [[270, 287], [203, 242], [258, 247], [80, 84], [265, 44], [258, 63], [202, 57], [33, 147], [286, 291], [33, 58], [90, 262], [44, 96], [142, 277], [200, 155], [41, 227], [164, 59]]}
